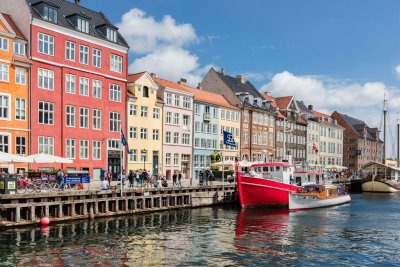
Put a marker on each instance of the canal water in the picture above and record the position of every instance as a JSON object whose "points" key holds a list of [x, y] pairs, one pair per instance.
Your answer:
{"points": [[364, 232]]}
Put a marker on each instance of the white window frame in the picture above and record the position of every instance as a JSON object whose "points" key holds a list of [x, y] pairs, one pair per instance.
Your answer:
{"points": [[49, 112], [156, 134], [82, 25], [70, 115], [84, 54], [96, 150], [20, 108], [3, 43], [70, 148], [156, 113], [143, 133], [46, 145], [115, 121], [70, 50], [5, 99], [4, 72], [20, 75], [45, 44], [84, 149], [46, 79], [20, 146], [84, 118], [96, 119], [84, 86], [97, 88], [19, 48], [96, 60], [70, 84], [116, 63], [115, 92]]}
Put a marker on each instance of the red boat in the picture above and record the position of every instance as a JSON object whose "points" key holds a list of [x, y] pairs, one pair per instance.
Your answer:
{"points": [[266, 184]]}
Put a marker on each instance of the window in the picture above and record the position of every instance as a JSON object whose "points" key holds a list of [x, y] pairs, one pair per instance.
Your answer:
{"points": [[84, 86], [176, 138], [46, 145], [169, 117], [46, 113], [228, 115], [83, 117], [167, 158], [133, 132], [4, 107], [186, 139], [5, 143], [84, 54], [116, 63], [215, 113], [265, 138], [222, 114], [70, 50], [246, 116], [254, 138], [96, 150], [111, 35], [70, 84], [156, 113], [186, 120], [50, 14], [20, 145], [83, 25], [197, 126], [143, 111], [20, 108], [115, 93], [96, 119], [169, 99], [3, 44], [176, 118], [186, 102], [177, 100], [97, 88], [84, 149], [155, 134], [145, 91], [70, 151], [176, 159], [115, 122], [46, 79], [19, 48], [96, 58], [46, 44], [133, 155], [168, 137], [70, 116], [132, 110], [4, 72], [143, 133]]}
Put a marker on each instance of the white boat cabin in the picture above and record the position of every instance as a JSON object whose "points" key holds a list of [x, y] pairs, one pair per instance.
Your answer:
{"points": [[277, 171], [380, 171], [302, 178]]}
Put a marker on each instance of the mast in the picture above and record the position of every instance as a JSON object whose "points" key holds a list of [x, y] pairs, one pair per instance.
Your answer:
{"points": [[384, 128], [398, 141]]}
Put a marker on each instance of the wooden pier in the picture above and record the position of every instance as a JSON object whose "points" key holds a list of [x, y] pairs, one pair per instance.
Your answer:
{"points": [[24, 209]]}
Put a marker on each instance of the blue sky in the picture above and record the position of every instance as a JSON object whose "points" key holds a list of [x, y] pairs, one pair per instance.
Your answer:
{"points": [[337, 55]]}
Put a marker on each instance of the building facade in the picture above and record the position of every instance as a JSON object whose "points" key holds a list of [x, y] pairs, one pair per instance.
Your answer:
{"points": [[79, 75], [144, 123], [229, 120], [257, 141], [361, 144], [14, 93], [177, 128]]}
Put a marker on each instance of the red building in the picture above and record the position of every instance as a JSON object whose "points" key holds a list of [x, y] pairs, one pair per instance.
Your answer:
{"points": [[79, 75]]}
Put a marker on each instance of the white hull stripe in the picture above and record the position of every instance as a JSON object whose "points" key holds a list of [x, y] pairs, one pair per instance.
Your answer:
{"points": [[268, 186]]}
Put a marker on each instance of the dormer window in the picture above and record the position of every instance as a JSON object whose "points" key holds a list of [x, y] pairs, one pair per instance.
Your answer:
{"points": [[111, 35], [50, 14], [82, 24], [19, 48]]}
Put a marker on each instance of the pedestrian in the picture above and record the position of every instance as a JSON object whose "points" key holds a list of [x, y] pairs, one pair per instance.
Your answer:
{"points": [[102, 174], [206, 176], [123, 177], [174, 176], [131, 179], [109, 177], [179, 178], [60, 176]]}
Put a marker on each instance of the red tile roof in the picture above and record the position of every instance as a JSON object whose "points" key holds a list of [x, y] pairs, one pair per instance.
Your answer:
{"points": [[325, 117], [283, 102], [22, 59], [270, 99], [135, 76], [13, 26], [200, 95], [301, 120]]}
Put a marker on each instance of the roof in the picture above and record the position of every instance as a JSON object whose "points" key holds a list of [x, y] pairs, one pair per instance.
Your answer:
{"points": [[317, 114], [358, 126], [301, 120], [67, 9], [199, 95], [283, 102], [13, 26], [302, 106], [237, 86], [135, 76], [22, 59]]}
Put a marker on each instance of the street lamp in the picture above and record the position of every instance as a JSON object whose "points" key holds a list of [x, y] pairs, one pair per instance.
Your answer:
{"points": [[144, 154]]}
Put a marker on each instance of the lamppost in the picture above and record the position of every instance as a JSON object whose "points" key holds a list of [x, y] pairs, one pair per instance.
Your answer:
{"points": [[144, 155]]}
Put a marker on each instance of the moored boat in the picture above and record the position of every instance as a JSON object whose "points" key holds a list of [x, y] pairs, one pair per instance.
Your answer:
{"points": [[317, 196], [380, 178]]}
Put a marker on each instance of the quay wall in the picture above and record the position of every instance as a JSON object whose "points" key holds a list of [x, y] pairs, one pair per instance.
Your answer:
{"points": [[25, 209]]}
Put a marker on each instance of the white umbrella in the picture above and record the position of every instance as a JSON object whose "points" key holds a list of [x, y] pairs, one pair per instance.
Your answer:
{"points": [[45, 158], [245, 163], [224, 163], [8, 157]]}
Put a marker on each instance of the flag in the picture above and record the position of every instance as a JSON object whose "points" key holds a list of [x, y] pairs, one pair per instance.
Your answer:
{"points": [[124, 142], [229, 139], [315, 148]]}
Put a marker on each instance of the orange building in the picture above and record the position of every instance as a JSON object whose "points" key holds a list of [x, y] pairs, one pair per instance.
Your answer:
{"points": [[14, 93]]}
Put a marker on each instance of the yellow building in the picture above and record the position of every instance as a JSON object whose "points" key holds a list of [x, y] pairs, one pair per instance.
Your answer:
{"points": [[14, 93], [229, 120], [144, 124]]}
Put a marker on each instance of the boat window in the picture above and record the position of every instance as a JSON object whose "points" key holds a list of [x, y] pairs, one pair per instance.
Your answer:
{"points": [[272, 169], [265, 169], [278, 168]]}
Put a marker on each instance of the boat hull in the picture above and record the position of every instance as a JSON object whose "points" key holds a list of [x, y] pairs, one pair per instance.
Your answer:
{"points": [[378, 187], [254, 192], [304, 202]]}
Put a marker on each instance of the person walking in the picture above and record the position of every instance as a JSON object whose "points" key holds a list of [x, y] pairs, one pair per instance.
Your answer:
{"points": [[174, 176], [179, 179], [131, 179], [109, 177], [60, 176]]}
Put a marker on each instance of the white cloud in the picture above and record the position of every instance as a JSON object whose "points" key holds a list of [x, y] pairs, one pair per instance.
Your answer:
{"points": [[364, 101], [159, 46]]}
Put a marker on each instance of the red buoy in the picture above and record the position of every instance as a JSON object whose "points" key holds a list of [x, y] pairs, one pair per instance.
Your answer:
{"points": [[44, 221]]}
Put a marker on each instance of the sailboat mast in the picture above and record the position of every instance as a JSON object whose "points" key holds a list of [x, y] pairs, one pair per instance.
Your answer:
{"points": [[398, 139], [384, 128]]}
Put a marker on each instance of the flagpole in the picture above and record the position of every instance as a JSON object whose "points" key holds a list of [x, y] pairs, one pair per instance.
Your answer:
{"points": [[121, 154], [223, 172]]}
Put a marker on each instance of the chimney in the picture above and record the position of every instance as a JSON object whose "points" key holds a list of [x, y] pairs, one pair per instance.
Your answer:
{"points": [[183, 81], [199, 86], [78, 2], [240, 77], [267, 93], [222, 71], [310, 107], [153, 75]]}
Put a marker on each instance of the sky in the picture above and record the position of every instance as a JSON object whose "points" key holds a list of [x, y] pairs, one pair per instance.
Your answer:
{"points": [[336, 55]]}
